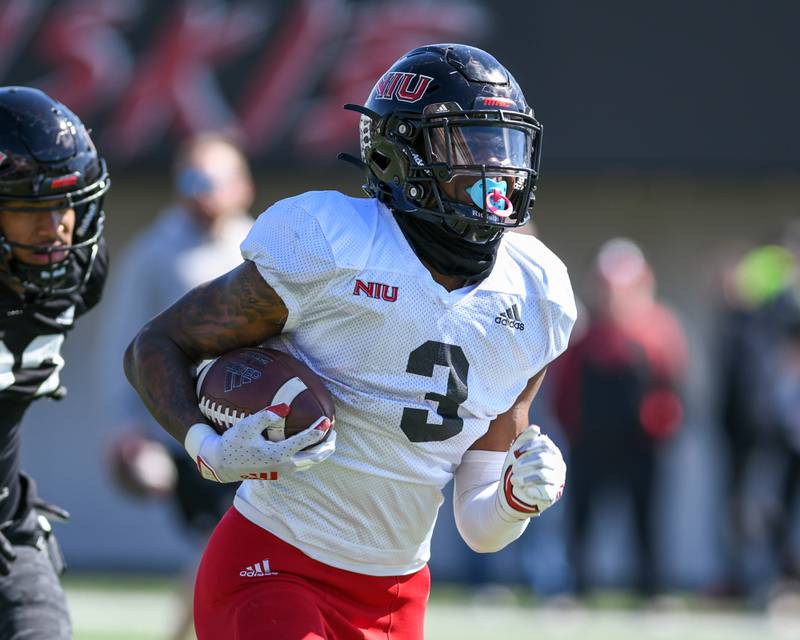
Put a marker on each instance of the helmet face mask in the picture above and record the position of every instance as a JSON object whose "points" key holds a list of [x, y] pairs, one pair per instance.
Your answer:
{"points": [[474, 153], [48, 162], [440, 158], [67, 267]]}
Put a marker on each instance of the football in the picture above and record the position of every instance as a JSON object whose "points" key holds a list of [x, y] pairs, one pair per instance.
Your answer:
{"points": [[244, 381]]}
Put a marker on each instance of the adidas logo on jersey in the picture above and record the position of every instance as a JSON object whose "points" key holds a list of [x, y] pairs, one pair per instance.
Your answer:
{"points": [[257, 570], [510, 318]]}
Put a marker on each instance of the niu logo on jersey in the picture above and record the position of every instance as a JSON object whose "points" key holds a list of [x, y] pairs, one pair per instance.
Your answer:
{"points": [[510, 318], [398, 85], [376, 290], [237, 375]]}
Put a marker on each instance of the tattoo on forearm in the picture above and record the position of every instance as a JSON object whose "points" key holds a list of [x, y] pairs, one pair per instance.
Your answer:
{"points": [[162, 375], [227, 315], [236, 310]]}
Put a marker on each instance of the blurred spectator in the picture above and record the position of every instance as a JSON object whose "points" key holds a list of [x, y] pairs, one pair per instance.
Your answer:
{"points": [[759, 402], [616, 394], [780, 402], [547, 570], [192, 241], [749, 282]]}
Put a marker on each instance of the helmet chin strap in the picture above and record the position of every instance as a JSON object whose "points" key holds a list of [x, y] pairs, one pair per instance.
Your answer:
{"points": [[447, 253]]}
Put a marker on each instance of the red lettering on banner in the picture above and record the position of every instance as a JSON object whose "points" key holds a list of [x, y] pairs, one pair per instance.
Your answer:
{"points": [[287, 69], [92, 62], [380, 33], [319, 55], [175, 83]]}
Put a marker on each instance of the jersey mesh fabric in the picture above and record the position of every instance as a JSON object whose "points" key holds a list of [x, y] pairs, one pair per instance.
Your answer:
{"points": [[417, 372]]}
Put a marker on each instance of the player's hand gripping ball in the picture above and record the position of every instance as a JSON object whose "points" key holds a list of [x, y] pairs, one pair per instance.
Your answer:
{"points": [[272, 415], [245, 381], [533, 475]]}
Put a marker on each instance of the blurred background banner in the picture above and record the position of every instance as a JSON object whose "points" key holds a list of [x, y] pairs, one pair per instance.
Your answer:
{"points": [[672, 124], [275, 73], [622, 84]]}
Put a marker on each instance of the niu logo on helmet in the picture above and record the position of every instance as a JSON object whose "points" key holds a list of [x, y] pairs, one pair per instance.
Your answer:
{"points": [[397, 84]]}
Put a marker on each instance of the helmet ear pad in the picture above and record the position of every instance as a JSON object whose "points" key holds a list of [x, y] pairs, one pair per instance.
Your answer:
{"points": [[387, 161], [388, 170], [391, 158]]}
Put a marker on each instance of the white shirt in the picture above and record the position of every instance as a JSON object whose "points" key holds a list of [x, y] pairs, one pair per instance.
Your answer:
{"points": [[417, 372]]}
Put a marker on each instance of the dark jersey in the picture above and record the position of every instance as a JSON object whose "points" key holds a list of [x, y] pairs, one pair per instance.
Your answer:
{"points": [[31, 334]]}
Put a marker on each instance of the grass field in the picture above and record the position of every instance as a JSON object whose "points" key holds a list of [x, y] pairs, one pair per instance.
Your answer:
{"points": [[143, 609]]}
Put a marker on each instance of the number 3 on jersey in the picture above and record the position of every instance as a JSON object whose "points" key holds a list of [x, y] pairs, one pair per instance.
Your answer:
{"points": [[421, 362]]}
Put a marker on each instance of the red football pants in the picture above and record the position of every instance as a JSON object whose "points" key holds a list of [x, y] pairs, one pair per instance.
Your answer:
{"points": [[252, 585]]}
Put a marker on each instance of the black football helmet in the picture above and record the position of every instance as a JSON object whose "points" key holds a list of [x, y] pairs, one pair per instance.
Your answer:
{"points": [[48, 158], [448, 140]]}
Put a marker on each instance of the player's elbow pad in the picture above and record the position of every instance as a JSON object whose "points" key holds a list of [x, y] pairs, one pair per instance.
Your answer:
{"points": [[480, 522]]}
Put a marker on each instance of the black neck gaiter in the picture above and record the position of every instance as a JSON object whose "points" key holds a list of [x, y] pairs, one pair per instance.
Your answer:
{"points": [[446, 252]]}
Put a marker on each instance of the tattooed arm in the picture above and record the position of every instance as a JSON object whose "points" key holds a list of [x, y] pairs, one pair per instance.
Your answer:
{"points": [[238, 309]]}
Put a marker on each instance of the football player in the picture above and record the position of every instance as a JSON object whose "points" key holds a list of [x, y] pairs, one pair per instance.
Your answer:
{"points": [[52, 269], [431, 326]]}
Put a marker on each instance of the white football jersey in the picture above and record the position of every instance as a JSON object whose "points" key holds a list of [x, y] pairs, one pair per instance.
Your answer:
{"points": [[417, 372]]}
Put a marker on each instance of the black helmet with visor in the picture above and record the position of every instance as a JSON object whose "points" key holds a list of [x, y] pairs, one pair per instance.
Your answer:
{"points": [[448, 140], [48, 161]]}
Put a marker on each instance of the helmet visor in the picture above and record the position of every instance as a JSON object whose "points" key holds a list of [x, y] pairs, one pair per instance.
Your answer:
{"points": [[481, 145]]}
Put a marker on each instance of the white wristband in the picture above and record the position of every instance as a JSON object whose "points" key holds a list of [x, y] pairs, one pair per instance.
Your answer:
{"points": [[196, 436]]}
